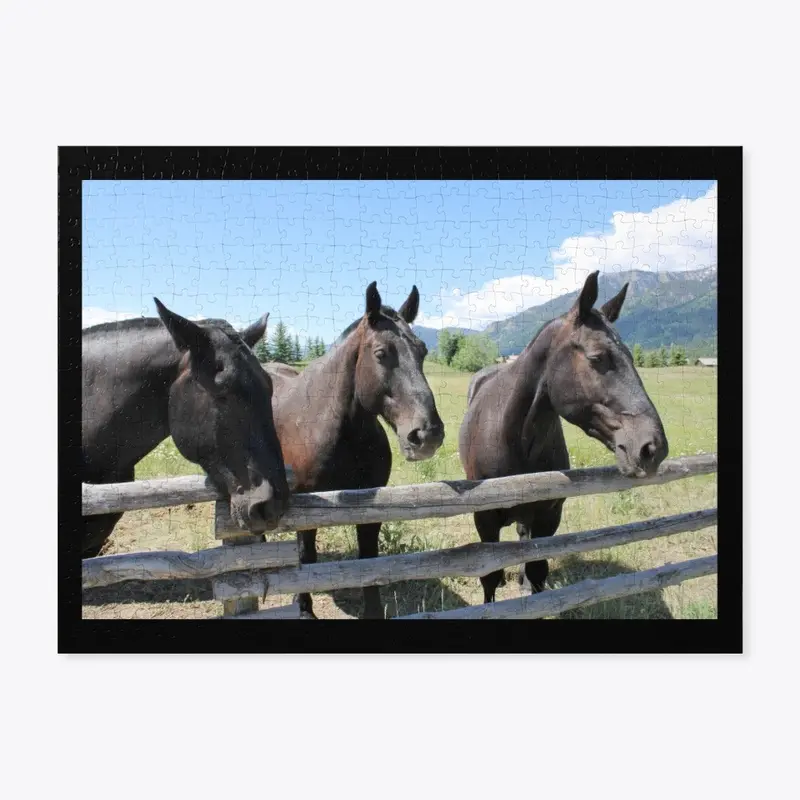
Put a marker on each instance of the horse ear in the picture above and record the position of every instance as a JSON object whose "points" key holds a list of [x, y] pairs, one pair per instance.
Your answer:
{"points": [[187, 335], [374, 303], [408, 311], [612, 308], [587, 297], [253, 333]]}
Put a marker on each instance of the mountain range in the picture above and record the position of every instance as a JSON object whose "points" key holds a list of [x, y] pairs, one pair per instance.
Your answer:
{"points": [[661, 308]]}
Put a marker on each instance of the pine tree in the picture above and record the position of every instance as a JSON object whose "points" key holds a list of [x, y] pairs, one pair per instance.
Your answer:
{"points": [[663, 357], [316, 348], [282, 344], [298, 353], [261, 351], [638, 355]]}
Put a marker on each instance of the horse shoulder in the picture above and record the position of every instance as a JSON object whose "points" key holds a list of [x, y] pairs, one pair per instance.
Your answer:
{"points": [[479, 379], [276, 369]]}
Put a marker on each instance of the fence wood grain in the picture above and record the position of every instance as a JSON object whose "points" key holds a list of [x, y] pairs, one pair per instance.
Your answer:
{"points": [[437, 499], [585, 593], [110, 498], [177, 565], [471, 560], [452, 498]]}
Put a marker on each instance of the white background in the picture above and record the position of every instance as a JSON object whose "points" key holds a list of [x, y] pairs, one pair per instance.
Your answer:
{"points": [[408, 73]]}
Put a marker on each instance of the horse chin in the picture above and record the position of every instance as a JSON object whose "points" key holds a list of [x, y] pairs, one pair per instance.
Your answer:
{"points": [[417, 453], [629, 469]]}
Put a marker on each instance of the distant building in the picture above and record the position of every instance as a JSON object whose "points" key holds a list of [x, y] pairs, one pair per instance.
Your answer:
{"points": [[706, 362]]}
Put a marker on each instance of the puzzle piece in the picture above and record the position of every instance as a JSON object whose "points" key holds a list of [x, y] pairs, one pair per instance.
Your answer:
{"points": [[494, 261]]}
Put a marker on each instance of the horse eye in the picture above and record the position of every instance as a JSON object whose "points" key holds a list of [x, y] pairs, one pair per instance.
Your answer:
{"points": [[219, 366], [380, 354]]}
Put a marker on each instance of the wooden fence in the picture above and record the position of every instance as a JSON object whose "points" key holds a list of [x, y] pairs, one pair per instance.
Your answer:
{"points": [[246, 569]]}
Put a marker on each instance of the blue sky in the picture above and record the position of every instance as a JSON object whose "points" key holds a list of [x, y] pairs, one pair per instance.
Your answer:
{"points": [[306, 250]]}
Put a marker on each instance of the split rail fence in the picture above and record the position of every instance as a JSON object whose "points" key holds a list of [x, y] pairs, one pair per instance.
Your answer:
{"points": [[246, 569]]}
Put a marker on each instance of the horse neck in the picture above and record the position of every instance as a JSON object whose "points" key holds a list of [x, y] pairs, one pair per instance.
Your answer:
{"points": [[334, 378], [529, 409], [139, 368]]}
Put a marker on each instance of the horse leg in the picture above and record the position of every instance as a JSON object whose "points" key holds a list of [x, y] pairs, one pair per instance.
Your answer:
{"points": [[96, 530], [368, 548], [488, 524], [544, 522], [307, 545]]}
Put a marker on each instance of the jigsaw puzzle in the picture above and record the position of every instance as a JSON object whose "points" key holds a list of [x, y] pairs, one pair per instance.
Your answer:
{"points": [[289, 338]]}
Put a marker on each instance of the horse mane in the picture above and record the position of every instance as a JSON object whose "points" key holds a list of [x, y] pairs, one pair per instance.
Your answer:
{"points": [[387, 312], [147, 323], [541, 330]]}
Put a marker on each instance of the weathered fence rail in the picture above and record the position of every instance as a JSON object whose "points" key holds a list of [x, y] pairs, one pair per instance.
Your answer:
{"points": [[248, 569], [585, 593], [471, 560], [391, 503]]}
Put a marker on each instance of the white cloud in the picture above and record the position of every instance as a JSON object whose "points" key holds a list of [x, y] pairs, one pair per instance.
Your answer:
{"points": [[92, 315], [498, 299], [679, 236]]}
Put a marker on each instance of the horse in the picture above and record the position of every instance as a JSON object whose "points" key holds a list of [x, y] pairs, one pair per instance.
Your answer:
{"points": [[576, 368], [327, 417], [146, 379]]}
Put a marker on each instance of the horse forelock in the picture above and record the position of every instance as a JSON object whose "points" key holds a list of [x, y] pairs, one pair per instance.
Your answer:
{"points": [[403, 328]]}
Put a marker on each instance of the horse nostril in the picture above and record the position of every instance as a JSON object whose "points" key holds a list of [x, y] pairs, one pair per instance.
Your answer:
{"points": [[258, 512], [648, 451], [414, 437]]}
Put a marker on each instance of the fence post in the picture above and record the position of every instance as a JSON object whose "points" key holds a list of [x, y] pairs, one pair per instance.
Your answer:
{"points": [[246, 603], [232, 538]]}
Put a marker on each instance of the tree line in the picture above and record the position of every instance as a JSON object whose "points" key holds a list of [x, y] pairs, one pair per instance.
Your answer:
{"points": [[286, 349], [674, 357], [468, 353], [473, 352]]}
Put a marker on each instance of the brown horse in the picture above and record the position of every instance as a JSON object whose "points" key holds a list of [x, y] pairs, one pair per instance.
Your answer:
{"points": [[577, 368], [327, 417]]}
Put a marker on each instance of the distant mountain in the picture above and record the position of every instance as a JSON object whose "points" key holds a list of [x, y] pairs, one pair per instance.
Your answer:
{"points": [[661, 308], [431, 335]]}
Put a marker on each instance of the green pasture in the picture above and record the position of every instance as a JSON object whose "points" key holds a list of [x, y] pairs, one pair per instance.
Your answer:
{"points": [[686, 398]]}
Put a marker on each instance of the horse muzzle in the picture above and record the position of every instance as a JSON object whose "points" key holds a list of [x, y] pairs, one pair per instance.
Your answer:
{"points": [[422, 443], [260, 508], [639, 456]]}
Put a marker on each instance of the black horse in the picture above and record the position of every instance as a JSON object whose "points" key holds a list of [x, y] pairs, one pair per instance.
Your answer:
{"points": [[327, 417], [146, 379], [577, 368]]}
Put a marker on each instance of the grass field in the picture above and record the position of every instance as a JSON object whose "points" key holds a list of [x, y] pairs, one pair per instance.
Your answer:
{"points": [[686, 398]]}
